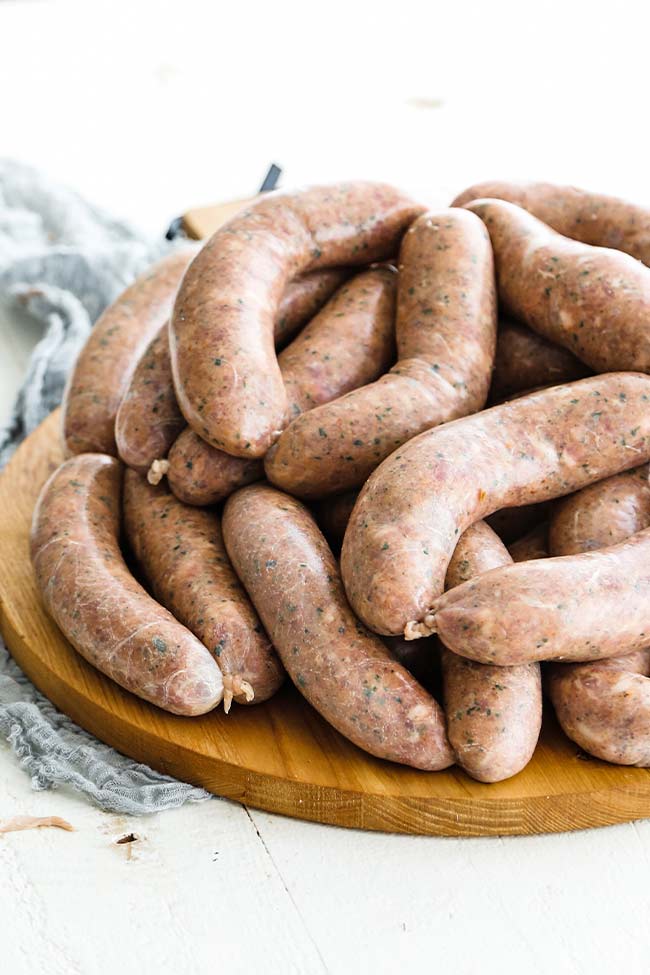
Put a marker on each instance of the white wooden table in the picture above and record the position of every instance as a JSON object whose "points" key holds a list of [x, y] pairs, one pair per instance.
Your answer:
{"points": [[149, 109]]}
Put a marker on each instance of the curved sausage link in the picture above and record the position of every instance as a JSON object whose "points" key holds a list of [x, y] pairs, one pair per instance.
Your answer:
{"points": [[90, 594], [346, 673], [604, 706], [303, 298], [494, 714], [524, 361], [181, 553], [409, 515], [349, 343], [105, 365], [226, 374], [446, 327], [593, 301], [593, 218], [601, 514]]}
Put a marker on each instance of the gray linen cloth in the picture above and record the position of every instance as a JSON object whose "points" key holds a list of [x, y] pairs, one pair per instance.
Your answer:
{"points": [[61, 262]]}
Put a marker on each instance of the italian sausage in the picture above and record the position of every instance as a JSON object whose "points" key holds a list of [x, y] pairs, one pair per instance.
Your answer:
{"points": [[601, 514], [575, 607], [494, 714], [105, 365], [106, 615], [592, 218], [181, 553], [591, 300], [226, 374], [446, 327], [149, 419], [524, 361], [532, 545], [349, 343], [412, 510], [604, 706], [346, 673]]}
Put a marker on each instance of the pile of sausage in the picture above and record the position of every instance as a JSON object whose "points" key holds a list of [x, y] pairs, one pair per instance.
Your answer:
{"points": [[399, 455]]}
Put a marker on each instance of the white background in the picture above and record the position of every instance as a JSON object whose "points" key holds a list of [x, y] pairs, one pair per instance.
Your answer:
{"points": [[149, 109]]}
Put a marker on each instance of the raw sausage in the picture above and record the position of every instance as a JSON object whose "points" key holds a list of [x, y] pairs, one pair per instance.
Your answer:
{"points": [[446, 327], [591, 300], [226, 374], [349, 343], [575, 607], [181, 553], [90, 594], [346, 673], [106, 362], [604, 706], [149, 420], [494, 714], [601, 514], [592, 218], [525, 360], [412, 510]]}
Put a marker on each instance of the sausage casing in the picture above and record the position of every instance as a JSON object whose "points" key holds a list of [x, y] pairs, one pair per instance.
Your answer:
{"points": [[344, 671], [105, 614], [446, 327], [412, 510]]}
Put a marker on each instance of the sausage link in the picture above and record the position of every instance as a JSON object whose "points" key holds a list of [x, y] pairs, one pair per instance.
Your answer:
{"points": [[181, 553], [149, 420], [303, 298], [349, 343], [409, 515], [226, 374], [601, 514], [494, 714], [346, 673], [591, 300], [106, 362], [532, 545], [593, 218], [106, 615], [446, 327], [525, 361], [604, 706], [575, 607]]}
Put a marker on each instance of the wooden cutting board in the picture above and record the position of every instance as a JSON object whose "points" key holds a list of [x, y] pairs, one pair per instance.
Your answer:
{"points": [[281, 756]]}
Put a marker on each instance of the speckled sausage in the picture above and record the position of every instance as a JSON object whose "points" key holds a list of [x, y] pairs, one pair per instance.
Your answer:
{"points": [[181, 553], [90, 594], [226, 374], [149, 420], [524, 360], [106, 362], [303, 298], [349, 343], [346, 673], [591, 300], [405, 525], [601, 514], [575, 608], [532, 545], [604, 706], [446, 327], [593, 218], [494, 714]]}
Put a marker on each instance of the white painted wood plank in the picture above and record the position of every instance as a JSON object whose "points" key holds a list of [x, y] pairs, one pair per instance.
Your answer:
{"points": [[196, 892], [575, 903]]}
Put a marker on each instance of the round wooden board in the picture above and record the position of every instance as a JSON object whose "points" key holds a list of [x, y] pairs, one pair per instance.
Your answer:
{"points": [[281, 756]]}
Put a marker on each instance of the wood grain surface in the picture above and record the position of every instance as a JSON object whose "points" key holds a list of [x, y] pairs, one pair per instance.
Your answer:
{"points": [[281, 756]]}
